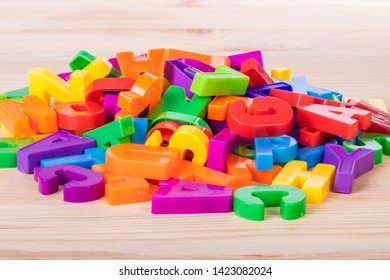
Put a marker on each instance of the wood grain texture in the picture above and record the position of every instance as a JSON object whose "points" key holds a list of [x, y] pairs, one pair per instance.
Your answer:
{"points": [[340, 45]]}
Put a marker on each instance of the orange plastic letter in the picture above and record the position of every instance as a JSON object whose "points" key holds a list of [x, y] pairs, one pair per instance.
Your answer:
{"points": [[132, 67], [142, 161], [23, 119], [145, 92]]}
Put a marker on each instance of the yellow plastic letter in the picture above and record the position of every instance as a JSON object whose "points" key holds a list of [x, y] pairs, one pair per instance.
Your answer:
{"points": [[43, 83], [316, 184], [188, 137]]}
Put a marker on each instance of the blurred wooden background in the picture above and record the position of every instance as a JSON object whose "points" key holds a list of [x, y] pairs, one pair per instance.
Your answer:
{"points": [[340, 45]]}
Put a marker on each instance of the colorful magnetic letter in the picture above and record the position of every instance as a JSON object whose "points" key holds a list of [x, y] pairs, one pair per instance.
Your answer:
{"points": [[186, 197], [43, 83], [132, 67], [271, 150], [80, 184], [126, 190], [26, 118], [265, 117], [174, 99], [249, 202], [316, 184], [142, 161], [188, 137], [80, 115], [378, 142], [113, 133], [341, 122], [58, 144], [221, 145], [145, 92], [348, 165], [224, 81]]}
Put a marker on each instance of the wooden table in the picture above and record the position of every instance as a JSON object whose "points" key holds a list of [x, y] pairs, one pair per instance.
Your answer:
{"points": [[340, 45]]}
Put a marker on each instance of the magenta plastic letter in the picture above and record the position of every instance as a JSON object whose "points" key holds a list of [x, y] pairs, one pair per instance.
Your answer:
{"points": [[219, 147], [177, 196]]}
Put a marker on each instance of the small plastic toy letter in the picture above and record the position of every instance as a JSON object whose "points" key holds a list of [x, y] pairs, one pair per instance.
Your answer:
{"points": [[316, 184], [188, 137], [265, 117], [343, 122], [249, 202], [26, 118], [349, 165], [186, 197], [80, 184], [61, 143], [159, 163], [131, 66], [224, 81], [271, 150]]}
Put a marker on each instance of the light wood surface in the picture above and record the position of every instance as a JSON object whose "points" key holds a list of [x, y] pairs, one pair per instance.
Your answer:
{"points": [[340, 45]]}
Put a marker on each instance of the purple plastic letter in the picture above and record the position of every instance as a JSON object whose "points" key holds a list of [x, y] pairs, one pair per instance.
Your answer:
{"points": [[348, 165], [80, 184], [59, 144]]}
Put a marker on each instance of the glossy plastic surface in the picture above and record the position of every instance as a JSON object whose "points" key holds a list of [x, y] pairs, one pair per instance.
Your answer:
{"points": [[58, 144], [265, 117], [27, 118], [143, 161], [341, 122], [316, 183], [348, 165], [186, 197], [80, 184], [113, 133], [250, 201]]}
